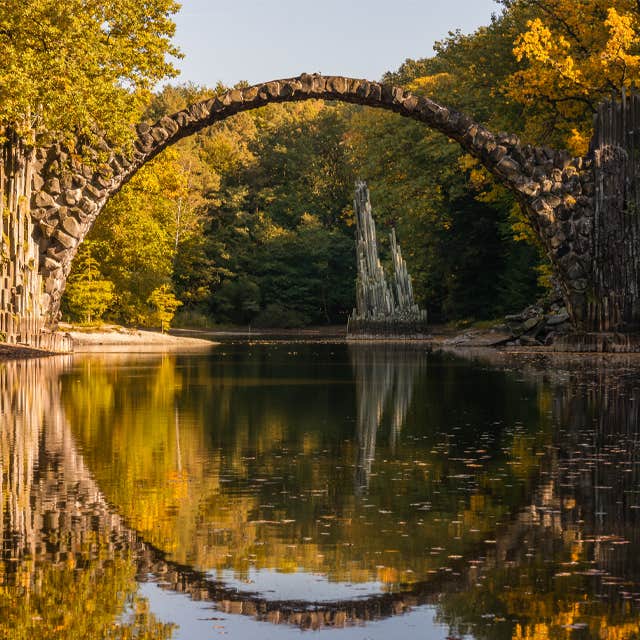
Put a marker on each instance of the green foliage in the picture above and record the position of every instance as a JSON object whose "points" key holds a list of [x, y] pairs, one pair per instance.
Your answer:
{"points": [[165, 305], [276, 316], [88, 294]]}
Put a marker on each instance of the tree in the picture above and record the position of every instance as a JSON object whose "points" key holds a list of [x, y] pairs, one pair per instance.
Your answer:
{"points": [[165, 304], [135, 235], [88, 294], [78, 65], [571, 55]]}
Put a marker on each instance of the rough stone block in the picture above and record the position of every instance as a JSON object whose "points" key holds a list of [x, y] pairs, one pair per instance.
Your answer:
{"points": [[529, 188], [37, 182], [169, 125], [273, 89], [183, 118], [72, 227], [78, 181], [73, 196], [319, 85], [101, 181], [306, 82], [92, 192], [470, 134], [442, 115], [498, 153], [375, 92], [398, 95], [428, 109], [337, 85], [482, 137], [43, 199], [363, 90], [67, 241], [540, 206], [508, 167], [287, 89], [557, 239], [159, 134], [410, 103], [88, 206], [199, 110], [57, 252], [553, 201], [47, 229], [354, 85], [50, 264]]}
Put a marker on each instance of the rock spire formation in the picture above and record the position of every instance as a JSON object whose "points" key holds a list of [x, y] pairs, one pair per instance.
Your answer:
{"points": [[381, 309]]}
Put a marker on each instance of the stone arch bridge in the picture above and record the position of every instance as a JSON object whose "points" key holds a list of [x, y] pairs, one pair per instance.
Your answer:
{"points": [[578, 207]]}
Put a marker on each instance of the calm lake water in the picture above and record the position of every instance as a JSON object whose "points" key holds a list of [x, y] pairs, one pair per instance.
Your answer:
{"points": [[340, 491]]}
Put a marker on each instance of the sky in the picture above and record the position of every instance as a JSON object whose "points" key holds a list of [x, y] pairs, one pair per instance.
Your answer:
{"points": [[261, 40]]}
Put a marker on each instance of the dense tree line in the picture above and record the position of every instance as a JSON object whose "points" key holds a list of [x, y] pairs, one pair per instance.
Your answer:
{"points": [[251, 221]]}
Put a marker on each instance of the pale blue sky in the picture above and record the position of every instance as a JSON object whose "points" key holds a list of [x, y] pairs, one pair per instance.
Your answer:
{"points": [[260, 40]]}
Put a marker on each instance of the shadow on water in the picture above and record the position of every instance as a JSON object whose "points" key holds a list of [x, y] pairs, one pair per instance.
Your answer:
{"points": [[321, 486]]}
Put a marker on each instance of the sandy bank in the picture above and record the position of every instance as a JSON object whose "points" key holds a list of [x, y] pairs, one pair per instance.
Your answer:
{"points": [[113, 337]]}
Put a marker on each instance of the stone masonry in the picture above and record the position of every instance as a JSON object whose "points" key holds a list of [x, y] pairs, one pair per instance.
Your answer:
{"points": [[555, 190]]}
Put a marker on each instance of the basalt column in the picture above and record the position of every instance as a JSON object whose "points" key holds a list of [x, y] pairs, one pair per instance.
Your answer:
{"points": [[614, 301], [23, 302], [381, 309]]}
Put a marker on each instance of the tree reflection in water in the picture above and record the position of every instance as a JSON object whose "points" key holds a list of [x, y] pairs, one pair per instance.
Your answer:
{"points": [[554, 555], [66, 567]]}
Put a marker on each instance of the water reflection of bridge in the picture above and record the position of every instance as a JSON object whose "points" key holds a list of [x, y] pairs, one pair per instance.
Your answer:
{"points": [[53, 511]]}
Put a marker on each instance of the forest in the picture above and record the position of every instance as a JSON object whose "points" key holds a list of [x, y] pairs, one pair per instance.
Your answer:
{"points": [[251, 223]]}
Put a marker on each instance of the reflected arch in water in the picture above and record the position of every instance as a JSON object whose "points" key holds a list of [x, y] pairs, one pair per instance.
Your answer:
{"points": [[44, 468]]}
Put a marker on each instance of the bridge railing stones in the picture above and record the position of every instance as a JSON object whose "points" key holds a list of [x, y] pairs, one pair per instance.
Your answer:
{"points": [[557, 192]]}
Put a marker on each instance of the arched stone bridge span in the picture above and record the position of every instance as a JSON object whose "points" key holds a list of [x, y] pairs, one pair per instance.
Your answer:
{"points": [[557, 192]]}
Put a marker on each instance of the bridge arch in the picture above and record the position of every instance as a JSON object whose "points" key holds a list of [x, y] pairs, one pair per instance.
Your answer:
{"points": [[549, 185]]}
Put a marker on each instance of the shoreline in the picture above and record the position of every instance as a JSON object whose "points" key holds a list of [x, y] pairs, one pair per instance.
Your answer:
{"points": [[114, 338]]}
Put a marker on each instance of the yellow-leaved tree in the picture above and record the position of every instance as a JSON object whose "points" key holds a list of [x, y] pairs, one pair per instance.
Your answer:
{"points": [[78, 65], [572, 53]]}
